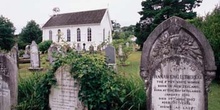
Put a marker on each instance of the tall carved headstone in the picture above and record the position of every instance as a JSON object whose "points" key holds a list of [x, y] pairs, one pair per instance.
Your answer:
{"points": [[14, 54], [8, 83], [34, 57], [64, 96], [177, 66]]}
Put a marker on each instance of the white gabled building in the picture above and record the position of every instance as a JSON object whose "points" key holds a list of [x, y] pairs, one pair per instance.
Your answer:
{"points": [[90, 27]]}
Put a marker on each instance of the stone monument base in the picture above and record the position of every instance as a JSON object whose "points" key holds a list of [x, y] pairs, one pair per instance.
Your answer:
{"points": [[35, 69]]}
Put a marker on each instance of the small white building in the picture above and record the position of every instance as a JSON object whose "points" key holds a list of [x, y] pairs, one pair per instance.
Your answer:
{"points": [[87, 27]]}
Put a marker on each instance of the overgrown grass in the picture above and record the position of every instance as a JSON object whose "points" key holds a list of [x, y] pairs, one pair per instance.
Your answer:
{"points": [[136, 96]]}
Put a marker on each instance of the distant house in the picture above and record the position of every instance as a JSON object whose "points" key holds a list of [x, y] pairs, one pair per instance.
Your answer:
{"points": [[87, 27]]}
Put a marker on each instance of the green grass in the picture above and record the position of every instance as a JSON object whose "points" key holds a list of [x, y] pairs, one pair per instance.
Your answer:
{"points": [[23, 68], [131, 72]]}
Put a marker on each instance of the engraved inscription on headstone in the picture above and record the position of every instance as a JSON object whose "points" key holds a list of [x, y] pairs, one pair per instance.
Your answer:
{"points": [[64, 96], [177, 66], [8, 82]]}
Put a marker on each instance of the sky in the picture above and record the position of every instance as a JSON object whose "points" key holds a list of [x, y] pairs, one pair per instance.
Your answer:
{"points": [[124, 12]]}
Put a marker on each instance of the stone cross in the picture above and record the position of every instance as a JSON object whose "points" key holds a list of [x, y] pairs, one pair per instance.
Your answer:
{"points": [[8, 83], [177, 66]]}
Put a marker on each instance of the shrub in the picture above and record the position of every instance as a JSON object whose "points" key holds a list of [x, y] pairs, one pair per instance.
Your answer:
{"points": [[44, 46]]}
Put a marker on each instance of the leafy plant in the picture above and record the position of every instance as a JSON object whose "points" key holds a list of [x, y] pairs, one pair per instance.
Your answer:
{"points": [[45, 45]]}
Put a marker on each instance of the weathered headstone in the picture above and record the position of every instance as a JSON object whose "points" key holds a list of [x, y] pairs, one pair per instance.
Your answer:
{"points": [[120, 52], [110, 56], [64, 96], [177, 66], [14, 54], [34, 57], [8, 83], [91, 49], [26, 52], [51, 51], [127, 44], [78, 48]]}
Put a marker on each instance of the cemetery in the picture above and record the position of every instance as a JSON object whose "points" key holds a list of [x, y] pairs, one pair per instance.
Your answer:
{"points": [[174, 67]]}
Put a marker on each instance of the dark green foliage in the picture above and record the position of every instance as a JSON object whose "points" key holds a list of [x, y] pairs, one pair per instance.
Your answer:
{"points": [[29, 33], [210, 27], [156, 11], [45, 45], [6, 33]]}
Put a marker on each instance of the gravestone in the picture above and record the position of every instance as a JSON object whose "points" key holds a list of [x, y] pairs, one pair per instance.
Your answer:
{"points": [[34, 57], [78, 48], [8, 83], [177, 66], [110, 56], [84, 47], [52, 51], [26, 52], [14, 54], [127, 44], [91, 49], [120, 52], [64, 96]]}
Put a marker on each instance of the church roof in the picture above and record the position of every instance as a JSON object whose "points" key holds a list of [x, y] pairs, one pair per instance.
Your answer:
{"points": [[76, 18]]}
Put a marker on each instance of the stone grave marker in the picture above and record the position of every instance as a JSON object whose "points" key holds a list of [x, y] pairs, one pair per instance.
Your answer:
{"points": [[120, 52], [34, 57], [91, 49], [84, 47], [177, 66], [14, 54], [110, 56], [26, 52], [78, 48], [8, 83], [127, 44], [64, 96], [51, 51]]}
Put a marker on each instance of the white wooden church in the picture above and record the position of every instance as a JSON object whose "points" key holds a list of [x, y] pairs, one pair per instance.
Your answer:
{"points": [[87, 27]]}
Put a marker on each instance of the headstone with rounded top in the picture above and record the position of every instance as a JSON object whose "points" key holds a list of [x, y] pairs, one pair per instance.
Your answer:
{"points": [[177, 66], [34, 57]]}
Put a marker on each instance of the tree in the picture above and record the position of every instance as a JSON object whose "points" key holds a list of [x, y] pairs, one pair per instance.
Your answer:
{"points": [[29, 33], [7, 30], [210, 27], [156, 11]]}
